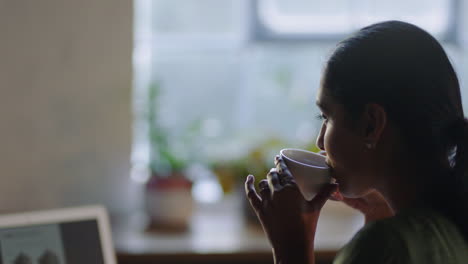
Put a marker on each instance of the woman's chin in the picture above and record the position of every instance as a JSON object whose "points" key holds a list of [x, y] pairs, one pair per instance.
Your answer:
{"points": [[349, 191]]}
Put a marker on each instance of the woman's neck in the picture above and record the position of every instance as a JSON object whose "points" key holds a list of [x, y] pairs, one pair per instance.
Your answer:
{"points": [[401, 188]]}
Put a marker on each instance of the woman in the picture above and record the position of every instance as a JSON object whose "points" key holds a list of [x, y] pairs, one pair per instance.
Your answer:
{"points": [[397, 144]]}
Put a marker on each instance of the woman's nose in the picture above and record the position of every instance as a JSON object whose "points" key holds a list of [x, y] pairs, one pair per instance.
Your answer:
{"points": [[320, 137]]}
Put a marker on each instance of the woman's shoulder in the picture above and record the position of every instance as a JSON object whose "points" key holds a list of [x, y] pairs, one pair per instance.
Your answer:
{"points": [[376, 242], [419, 235]]}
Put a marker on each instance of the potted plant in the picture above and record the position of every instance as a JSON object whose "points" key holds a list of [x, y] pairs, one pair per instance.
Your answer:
{"points": [[168, 197]]}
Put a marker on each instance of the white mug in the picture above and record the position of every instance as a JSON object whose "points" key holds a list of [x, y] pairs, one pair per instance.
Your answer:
{"points": [[308, 169]]}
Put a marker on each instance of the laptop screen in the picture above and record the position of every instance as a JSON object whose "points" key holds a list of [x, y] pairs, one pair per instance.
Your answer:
{"points": [[74, 242]]}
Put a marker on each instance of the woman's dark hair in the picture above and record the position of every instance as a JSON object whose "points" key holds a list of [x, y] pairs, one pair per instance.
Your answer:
{"points": [[405, 70]]}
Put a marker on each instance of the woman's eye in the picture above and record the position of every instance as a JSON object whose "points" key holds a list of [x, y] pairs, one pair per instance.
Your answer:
{"points": [[321, 117]]}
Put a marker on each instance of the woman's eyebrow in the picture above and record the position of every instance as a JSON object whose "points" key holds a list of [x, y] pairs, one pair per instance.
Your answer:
{"points": [[320, 105]]}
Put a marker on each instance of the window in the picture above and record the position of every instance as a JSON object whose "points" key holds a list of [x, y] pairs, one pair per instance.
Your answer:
{"points": [[305, 19], [227, 78]]}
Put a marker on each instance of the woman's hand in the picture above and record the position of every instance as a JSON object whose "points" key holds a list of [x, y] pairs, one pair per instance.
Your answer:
{"points": [[288, 220], [373, 205]]}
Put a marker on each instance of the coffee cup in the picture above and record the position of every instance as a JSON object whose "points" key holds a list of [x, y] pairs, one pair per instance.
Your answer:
{"points": [[309, 170]]}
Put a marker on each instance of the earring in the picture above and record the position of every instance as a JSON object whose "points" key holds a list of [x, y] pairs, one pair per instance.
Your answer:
{"points": [[370, 145]]}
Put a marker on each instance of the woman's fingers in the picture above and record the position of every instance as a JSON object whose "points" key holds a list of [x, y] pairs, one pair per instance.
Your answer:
{"points": [[281, 167], [337, 196], [265, 192], [251, 193], [274, 180], [322, 196]]}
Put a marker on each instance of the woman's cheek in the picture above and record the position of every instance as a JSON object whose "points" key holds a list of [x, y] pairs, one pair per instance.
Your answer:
{"points": [[339, 148], [328, 142]]}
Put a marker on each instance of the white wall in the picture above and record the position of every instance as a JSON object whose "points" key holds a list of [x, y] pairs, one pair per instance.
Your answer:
{"points": [[65, 113], [463, 70]]}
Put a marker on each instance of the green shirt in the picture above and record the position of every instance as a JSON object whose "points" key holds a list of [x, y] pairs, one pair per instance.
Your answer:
{"points": [[414, 236]]}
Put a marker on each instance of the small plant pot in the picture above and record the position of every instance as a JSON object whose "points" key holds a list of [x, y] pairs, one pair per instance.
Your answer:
{"points": [[169, 203]]}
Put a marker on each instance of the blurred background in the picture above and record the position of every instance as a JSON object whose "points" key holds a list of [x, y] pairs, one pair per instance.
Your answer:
{"points": [[147, 105], [236, 79]]}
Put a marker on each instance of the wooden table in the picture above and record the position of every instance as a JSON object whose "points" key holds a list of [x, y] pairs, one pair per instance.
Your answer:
{"points": [[219, 234]]}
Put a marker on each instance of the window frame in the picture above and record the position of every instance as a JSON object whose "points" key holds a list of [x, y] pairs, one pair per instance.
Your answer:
{"points": [[259, 31]]}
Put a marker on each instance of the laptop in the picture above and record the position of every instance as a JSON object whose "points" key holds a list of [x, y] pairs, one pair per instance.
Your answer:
{"points": [[78, 235]]}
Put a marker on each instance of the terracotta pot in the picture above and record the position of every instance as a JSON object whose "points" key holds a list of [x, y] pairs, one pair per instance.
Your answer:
{"points": [[169, 203]]}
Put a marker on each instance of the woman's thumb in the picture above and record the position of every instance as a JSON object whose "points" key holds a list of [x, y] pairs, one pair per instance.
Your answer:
{"points": [[322, 196]]}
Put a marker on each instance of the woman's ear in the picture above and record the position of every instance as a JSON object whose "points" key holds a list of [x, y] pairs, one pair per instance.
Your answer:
{"points": [[375, 121]]}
